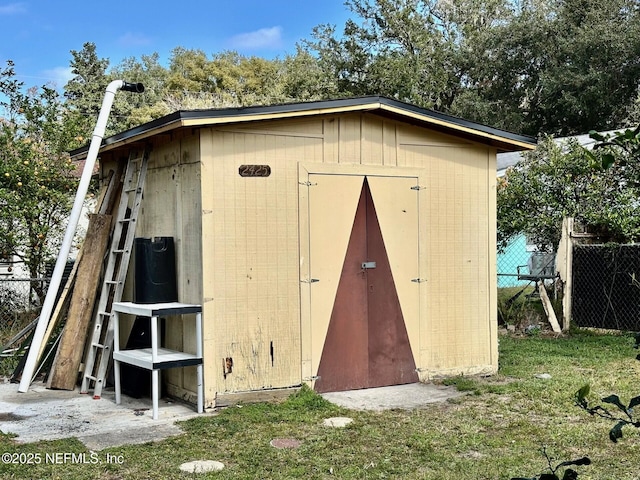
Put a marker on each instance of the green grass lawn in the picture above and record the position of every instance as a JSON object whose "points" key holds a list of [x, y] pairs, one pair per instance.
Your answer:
{"points": [[497, 431]]}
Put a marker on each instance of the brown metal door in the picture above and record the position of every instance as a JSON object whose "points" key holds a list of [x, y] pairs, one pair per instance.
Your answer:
{"points": [[366, 343]]}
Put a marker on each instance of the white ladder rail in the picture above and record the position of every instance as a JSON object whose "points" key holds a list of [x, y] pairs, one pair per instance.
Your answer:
{"points": [[99, 349]]}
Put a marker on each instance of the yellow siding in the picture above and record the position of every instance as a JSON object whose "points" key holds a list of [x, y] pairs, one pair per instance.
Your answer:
{"points": [[389, 144], [250, 240], [459, 333], [252, 258], [171, 208], [350, 139], [242, 243]]}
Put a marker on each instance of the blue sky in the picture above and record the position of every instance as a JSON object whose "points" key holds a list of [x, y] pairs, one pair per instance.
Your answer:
{"points": [[38, 35]]}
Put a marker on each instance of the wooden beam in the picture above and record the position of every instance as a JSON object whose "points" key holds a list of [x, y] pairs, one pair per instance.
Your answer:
{"points": [[548, 308], [104, 206], [566, 270], [257, 396], [66, 365]]}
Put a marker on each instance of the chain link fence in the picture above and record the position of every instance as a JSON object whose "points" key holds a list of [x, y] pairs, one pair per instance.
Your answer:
{"points": [[606, 286], [20, 300], [20, 303], [604, 289], [520, 267]]}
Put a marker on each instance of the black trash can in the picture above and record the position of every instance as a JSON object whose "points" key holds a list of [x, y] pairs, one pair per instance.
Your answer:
{"points": [[155, 282], [155, 270]]}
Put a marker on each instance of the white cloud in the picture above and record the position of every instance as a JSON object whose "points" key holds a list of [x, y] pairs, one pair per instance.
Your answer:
{"points": [[133, 39], [59, 76], [13, 9], [263, 38]]}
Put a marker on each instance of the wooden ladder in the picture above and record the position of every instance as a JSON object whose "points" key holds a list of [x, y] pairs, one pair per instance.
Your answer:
{"points": [[99, 351]]}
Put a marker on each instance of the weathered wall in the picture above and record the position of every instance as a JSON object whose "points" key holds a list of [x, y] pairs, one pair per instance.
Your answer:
{"points": [[250, 255], [460, 334], [252, 227], [242, 244], [171, 208]]}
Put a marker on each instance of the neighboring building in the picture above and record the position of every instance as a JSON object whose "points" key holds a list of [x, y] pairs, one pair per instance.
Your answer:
{"points": [[12, 267], [515, 262], [344, 244]]}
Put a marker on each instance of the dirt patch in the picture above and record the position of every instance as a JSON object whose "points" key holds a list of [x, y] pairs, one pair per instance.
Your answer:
{"points": [[285, 443], [10, 417]]}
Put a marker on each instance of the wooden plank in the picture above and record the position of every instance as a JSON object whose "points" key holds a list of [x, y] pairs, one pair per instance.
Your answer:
{"points": [[105, 204], [566, 273], [61, 307], [64, 371], [19, 335], [548, 308], [258, 396], [111, 193]]}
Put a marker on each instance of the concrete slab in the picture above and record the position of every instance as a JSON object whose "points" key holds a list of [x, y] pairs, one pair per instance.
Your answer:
{"points": [[405, 397], [41, 414]]}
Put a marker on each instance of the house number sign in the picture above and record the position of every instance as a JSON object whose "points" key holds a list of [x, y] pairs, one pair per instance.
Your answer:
{"points": [[254, 170]]}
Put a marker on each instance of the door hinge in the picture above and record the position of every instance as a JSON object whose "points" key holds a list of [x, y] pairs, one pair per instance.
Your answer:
{"points": [[307, 184], [311, 378], [309, 280], [418, 280], [418, 187]]}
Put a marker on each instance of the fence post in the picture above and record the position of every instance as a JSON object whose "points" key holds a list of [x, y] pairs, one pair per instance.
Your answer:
{"points": [[564, 267]]}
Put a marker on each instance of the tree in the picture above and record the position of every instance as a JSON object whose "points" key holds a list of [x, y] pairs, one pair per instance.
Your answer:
{"points": [[304, 79], [399, 48], [134, 110], [558, 67], [85, 91], [561, 179], [36, 175], [228, 79]]}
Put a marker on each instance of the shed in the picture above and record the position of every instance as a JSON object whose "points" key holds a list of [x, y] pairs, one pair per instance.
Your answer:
{"points": [[345, 244]]}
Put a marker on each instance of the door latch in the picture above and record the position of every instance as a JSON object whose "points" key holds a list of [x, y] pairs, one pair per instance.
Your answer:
{"points": [[366, 265]]}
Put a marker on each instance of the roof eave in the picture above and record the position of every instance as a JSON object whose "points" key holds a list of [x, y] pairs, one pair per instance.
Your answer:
{"points": [[503, 141]]}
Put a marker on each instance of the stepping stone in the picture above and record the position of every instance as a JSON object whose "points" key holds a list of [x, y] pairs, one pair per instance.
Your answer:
{"points": [[337, 422], [201, 466], [285, 443]]}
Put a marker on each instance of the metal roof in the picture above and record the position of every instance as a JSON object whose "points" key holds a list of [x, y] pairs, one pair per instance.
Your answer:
{"points": [[504, 141]]}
